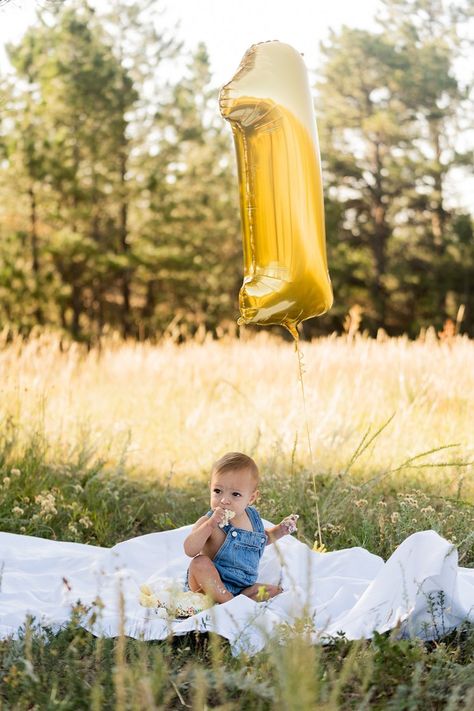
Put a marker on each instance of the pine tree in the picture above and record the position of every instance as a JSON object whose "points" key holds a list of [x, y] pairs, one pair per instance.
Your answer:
{"points": [[141, 47], [429, 33], [79, 92], [388, 139], [364, 133], [192, 239]]}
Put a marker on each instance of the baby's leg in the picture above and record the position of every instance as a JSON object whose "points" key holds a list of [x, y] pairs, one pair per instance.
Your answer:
{"points": [[203, 577]]}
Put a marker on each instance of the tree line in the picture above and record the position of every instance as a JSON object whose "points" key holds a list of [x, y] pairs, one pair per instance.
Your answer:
{"points": [[118, 192]]}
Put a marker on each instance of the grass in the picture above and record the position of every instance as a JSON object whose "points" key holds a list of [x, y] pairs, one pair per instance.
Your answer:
{"points": [[177, 408], [100, 447]]}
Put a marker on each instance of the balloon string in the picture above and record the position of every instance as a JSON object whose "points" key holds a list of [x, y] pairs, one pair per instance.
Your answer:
{"points": [[300, 356]]}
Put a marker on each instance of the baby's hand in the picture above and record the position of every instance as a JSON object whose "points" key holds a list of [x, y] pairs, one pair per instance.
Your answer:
{"points": [[221, 517], [228, 515], [288, 524], [218, 517]]}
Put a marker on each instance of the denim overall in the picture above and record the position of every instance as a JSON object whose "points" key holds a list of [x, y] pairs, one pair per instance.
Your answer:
{"points": [[238, 558]]}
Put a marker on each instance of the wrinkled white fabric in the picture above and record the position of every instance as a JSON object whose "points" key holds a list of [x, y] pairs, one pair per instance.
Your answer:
{"points": [[421, 589]]}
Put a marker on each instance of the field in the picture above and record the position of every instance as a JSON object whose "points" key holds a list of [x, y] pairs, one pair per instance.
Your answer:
{"points": [[120, 439]]}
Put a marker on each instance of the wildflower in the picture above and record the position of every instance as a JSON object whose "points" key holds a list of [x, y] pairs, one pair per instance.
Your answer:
{"points": [[17, 511], [361, 502], [382, 503], [85, 521], [331, 528], [15, 472], [22, 529], [47, 502], [395, 516], [78, 488], [427, 510], [73, 529], [6, 481]]}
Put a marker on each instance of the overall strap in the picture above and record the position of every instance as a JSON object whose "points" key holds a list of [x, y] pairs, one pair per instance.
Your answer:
{"points": [[255, 519]]}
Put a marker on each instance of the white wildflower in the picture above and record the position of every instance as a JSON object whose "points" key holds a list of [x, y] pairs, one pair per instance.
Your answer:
{"points": [[47, 502]]}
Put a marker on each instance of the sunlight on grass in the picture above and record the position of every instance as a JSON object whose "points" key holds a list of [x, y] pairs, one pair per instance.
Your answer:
{"points": [[178, 408]]}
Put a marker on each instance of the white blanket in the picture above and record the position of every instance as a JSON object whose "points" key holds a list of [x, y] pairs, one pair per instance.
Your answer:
{"points": [[420, 589]]}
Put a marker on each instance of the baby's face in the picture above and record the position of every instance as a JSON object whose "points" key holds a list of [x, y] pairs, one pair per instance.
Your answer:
{"points": [[234, 490]]}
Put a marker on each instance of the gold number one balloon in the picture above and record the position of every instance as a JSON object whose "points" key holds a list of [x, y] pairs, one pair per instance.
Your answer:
{"points": [[268, 104]]}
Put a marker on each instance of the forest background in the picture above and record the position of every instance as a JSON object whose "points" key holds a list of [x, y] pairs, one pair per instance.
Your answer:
{"points": [[118, 190]]}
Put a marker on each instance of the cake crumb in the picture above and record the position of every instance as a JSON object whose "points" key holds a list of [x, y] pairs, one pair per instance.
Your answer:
{"points": [[228, 515]]}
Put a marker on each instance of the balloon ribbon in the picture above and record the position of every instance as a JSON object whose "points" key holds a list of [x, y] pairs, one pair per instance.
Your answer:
{"points": [[301, 371]]}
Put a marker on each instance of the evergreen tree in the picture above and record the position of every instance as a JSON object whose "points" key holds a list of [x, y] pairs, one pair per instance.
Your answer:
{"points": [[192, 240], [429, 33], [389, 135], [25, 275], [118, 190], [143, 47], [365, 130], [73, 137]]}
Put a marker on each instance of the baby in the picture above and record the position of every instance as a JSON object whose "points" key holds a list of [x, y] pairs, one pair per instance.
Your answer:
{"points": [[227, 543]]}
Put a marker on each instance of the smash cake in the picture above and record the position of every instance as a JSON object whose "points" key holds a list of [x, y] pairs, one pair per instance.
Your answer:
{"points": [[171, 602], [228, 516]]}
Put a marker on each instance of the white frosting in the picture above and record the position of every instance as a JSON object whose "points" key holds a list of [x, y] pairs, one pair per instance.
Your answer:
{"points": [[228, 515], [290, 522], [172, 603]]}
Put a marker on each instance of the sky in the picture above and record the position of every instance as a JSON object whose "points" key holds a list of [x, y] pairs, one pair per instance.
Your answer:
{"points": [[230, 28]]}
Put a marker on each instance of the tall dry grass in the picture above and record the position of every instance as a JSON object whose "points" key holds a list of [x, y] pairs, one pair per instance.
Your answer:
{"points": [[178, 408]]}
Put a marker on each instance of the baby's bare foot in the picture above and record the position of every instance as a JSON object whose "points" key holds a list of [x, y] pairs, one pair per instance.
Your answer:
{"points": [[266, 591], [262, 591]]}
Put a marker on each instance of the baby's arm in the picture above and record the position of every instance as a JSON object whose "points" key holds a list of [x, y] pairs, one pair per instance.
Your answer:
{"points": [[288, 525], [201, 531]]}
